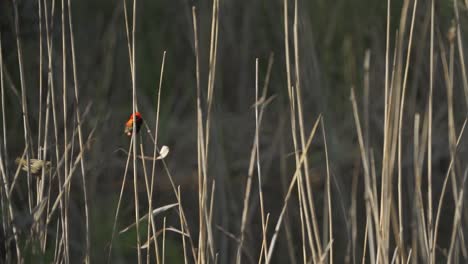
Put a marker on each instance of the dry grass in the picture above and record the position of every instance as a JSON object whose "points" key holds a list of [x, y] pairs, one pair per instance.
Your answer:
{"points": [[397, 219]]}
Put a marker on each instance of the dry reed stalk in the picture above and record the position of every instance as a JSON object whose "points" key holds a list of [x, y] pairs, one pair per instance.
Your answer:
{"points": [[292, 104], [50, 106], [164, 242], [155, 150], [259, 173], [400, 125], [134, 110], [132, 145], [461, 54], [290, 188], [182, 226], [209, 100], [371, 210], [80, 139], [429, 145], [263, 103], [309, 199], [442, 195], [328, 191], [3, 172], [200, 144]]}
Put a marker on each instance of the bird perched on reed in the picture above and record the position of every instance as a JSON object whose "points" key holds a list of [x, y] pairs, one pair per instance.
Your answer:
{"points": [[36, 165], [129, 124]]}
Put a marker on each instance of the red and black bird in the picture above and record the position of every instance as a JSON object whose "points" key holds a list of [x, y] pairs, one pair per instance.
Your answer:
{"points": [[129, 124]]}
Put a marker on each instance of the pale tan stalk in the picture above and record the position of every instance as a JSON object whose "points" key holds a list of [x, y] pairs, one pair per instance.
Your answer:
{"points": [[51, 97], [442, 195], [263, 248], [387, 54], [400, 125], [181, 212], [212, 70], [10, 212], [457, 218], [421, 220], [461, 50], [287, 220], [39, 130], [200, 151], [63, 190], [259, 174], [134, 110], [449, 79], [24, 107], [2, 85], [155, 150], [80, 140], [182, 225], [127, 31], [310, 199], [292, 106], [150, 217], [329, 201], [251, 167], [432, 250], [209, 99], [370, 195], [164, 241], [65, 136], [353, 212], [290, 189], [4, 205], [364, 247], [43, 176]]}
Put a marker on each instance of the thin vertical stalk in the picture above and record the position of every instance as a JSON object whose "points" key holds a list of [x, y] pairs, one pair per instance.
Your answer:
{"points": [[182, 226], [310, 200], [400, 125], [290, 189], [65, 135], [259, 173], [155, 150], [40, 80], [43, 176], [3, 172], [387, 55], [80, 139], [251, 167], [457, 218], [164, 241], [2, 85], [209, 100], [212, 69], [134, 110], [429, 140], [442, 195], [200, 150], [371, 210], [329, 201], [461, 50], [24, 106], [124, 180], [291, 95]]}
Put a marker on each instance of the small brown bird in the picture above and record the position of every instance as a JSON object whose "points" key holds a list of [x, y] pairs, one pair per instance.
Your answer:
{"points": [[129, 124], [36, 165]]}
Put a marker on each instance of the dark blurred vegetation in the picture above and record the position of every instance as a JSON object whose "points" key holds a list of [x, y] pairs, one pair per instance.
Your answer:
{"points": [[333, 38]]}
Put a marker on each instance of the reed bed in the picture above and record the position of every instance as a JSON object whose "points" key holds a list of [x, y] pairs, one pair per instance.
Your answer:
{"points": [[388, 200]]}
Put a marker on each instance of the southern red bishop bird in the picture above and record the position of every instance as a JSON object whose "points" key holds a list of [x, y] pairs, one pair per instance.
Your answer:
{"points": [[129, 124]]}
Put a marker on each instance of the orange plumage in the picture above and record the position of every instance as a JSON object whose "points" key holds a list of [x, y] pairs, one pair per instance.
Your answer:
{"points": [[129, 124]]}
